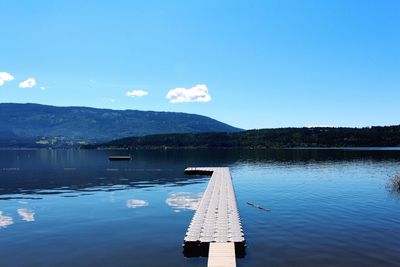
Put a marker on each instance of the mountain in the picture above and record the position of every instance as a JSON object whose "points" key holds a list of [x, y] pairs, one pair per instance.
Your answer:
{"points": [[33, 121], [387, 136]]}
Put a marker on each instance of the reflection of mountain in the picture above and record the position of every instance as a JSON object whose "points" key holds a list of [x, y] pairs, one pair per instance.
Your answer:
{"points": [[57, 171]]}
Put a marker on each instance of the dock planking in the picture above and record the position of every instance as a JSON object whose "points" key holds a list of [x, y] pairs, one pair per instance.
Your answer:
{"points": [[221, 255], [216, 222]]}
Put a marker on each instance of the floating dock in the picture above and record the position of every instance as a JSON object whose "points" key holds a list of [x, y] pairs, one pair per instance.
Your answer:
{"points": [[215, 230], [115, 158]]}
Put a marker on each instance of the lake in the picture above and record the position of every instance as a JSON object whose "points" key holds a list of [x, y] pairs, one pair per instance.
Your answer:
{"points": [[328, 207]]}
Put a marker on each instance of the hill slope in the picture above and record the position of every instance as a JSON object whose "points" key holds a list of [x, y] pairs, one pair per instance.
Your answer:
{"points": [[28, 121], [388, 136]]}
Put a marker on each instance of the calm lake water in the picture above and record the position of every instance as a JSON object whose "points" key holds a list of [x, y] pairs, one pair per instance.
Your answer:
{"points": [[75, 208]]}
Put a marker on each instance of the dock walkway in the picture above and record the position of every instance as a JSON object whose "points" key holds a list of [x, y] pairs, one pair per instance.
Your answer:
{"points": [[215, 229]]}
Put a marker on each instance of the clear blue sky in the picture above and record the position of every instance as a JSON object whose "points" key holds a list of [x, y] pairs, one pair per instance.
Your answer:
{"points": [[265, 63]]}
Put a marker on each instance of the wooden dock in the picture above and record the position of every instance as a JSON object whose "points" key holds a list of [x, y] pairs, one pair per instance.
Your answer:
{"points": [[215, 230], [221, 255]]}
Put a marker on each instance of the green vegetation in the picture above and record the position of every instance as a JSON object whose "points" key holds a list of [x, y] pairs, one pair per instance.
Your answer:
{"points": [[388, 136], [30, 124]]}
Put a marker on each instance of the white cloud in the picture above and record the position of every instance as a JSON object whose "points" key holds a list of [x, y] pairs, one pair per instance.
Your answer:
{"points": [[184, 200], [111, 100], [42, 88], [27, 215], [198, 93], [29, 83], [136, 93], [135, 203], [5, 220], [5, 77]]}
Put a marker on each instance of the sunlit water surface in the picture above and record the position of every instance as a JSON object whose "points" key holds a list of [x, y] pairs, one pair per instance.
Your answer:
{"points": [[76, 208]]}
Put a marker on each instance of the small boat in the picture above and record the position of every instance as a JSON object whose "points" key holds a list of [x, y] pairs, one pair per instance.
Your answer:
{"points": [[119, 158]]}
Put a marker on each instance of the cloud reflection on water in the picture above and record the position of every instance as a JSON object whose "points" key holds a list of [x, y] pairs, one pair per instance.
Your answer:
{"points": [[27, 215], [5, 220], [135, 203], [183, 200]]}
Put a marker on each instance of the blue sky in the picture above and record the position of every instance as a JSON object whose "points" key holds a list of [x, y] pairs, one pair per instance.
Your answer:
{"points": [[252, 64]]}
